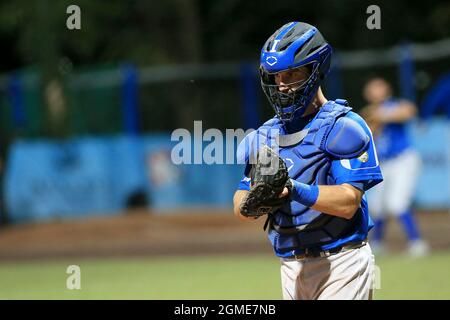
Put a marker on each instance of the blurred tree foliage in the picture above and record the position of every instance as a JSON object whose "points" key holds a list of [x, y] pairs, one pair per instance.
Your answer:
{"points": [[186, 31]]}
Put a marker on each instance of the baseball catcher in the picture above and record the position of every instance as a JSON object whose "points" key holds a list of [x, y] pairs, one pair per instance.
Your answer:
{"points": [[315, 159]]}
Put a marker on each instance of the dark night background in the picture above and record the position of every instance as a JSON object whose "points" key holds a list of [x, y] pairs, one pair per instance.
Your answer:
{"points": [[177, 31]]}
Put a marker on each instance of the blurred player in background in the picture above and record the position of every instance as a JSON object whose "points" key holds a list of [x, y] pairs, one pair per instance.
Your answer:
{"points": [[388, 117]]}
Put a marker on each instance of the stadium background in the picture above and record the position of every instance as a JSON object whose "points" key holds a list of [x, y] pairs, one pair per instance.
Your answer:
{"points": [[85, 124]]}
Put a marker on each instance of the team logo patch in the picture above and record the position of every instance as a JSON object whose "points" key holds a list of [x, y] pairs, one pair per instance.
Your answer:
{"points": [[271, 60], [364, 157], [291, 163]]}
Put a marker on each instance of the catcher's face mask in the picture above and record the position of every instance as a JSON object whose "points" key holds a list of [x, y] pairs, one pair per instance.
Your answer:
{"points": [[291, 90], [294, 45]]}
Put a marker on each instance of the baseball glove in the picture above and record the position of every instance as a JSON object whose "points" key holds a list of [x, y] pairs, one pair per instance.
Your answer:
{"points": [[268, 177]]}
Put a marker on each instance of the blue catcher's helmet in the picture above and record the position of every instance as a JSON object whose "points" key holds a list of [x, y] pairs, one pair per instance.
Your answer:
{"points": [[294, 45]]}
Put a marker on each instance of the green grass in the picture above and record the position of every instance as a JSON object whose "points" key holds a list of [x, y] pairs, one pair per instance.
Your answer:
{"points": [[208, 277], [407, 278]]}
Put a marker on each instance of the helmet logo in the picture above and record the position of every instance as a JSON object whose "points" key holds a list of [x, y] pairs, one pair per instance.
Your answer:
{"points": [[271, 60]]}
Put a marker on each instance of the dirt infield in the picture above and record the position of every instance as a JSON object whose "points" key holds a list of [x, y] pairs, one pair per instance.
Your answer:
{"points": [[188, 233]]}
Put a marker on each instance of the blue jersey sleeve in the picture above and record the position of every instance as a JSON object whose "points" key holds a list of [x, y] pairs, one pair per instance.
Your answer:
{"points": [[364, 168], [244, 184]]}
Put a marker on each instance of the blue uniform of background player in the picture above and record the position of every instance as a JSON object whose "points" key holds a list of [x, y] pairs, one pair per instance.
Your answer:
{"points": [[320, 233], [390, 119]]}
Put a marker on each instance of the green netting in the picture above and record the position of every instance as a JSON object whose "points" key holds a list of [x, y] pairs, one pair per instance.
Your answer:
{"points": [[95, 110], [94, 100], [177, 104], [88, 110]]}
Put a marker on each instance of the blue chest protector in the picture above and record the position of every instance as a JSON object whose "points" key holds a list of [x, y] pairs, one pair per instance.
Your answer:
{"points": [[308, 155]]}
